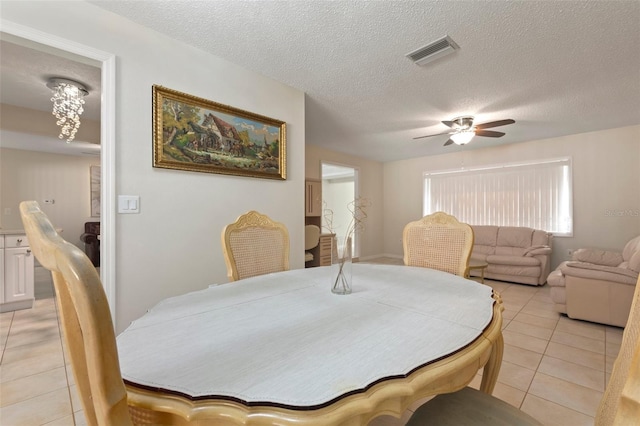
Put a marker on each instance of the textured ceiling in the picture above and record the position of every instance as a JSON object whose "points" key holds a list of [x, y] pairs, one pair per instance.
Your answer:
{"points": [[26, 67], [556, 67]]}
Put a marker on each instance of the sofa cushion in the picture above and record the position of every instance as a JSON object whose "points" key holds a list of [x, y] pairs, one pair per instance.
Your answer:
{"points": [[513, 260], [556, 278], [510, 251], [513, 270], [631, 248], [538, 250], [599, 257], [484, 238], [514, 236], [539, 238], [483, 250], [599, 272], [480, 257], [634, 262]]}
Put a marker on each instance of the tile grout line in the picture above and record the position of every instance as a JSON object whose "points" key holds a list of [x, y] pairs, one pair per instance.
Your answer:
{"points": [[539, 362], [6, 338]]}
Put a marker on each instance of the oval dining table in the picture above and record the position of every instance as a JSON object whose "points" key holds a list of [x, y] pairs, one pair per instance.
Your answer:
{"points": [[281, 349]]}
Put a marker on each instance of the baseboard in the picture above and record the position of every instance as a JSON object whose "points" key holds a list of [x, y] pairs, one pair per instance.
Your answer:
{"points": [[377, 256]]}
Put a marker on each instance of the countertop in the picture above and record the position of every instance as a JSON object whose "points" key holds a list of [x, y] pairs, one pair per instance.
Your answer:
{"points": [[11, 231]]}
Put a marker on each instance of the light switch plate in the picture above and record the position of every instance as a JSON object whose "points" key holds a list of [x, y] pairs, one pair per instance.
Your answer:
{"points": [[128, 204]]}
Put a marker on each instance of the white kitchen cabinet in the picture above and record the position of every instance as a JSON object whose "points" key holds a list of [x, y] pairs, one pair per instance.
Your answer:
{"points": [[18, 264]]}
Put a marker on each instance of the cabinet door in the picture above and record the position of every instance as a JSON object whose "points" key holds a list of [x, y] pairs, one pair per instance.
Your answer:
{"points": [[19, 270], [313, 198]]}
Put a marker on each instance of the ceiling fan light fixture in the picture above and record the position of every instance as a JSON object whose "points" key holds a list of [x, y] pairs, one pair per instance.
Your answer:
{"points": [[463, 137], [67, 105]]}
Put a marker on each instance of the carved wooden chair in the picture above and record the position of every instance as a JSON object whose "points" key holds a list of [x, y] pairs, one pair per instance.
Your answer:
{"points": [[438, 241], [255, 245], [620, 404], [86, 320]]}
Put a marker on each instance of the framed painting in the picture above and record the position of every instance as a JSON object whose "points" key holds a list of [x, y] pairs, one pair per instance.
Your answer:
{"points": [[195, 134], [94, 173]]}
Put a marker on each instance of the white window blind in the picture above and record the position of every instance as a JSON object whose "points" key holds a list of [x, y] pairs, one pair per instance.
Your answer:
{"points": [[537, 195]]}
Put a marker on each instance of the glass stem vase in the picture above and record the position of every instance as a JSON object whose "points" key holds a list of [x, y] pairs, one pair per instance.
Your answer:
{"points": [[341, 262]]}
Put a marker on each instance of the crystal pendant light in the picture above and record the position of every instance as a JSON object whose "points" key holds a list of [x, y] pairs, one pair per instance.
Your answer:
{"points": [[67, 105]]}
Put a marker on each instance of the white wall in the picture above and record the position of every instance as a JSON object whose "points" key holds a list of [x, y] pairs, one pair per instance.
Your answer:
{"points": [[30, 175], [370, 181], [173, 245], [338, 195], [605, 179]]}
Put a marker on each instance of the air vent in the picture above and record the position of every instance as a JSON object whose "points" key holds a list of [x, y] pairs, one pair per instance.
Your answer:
{"points": [[432, 51]]}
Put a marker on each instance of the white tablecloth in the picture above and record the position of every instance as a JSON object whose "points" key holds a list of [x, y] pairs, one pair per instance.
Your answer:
{"points": [[286, 339]]}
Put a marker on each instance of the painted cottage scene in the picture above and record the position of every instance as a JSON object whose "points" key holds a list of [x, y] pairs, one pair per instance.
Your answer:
{"points": [[194, 135]]}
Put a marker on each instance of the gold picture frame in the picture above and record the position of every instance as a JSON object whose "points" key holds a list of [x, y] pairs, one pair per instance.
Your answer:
{"points": [[196, 134]]}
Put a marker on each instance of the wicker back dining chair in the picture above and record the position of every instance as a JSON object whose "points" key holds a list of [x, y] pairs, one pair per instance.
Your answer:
{"points": [[438, 241], [255, 245], [85, 318], [619, 406]]}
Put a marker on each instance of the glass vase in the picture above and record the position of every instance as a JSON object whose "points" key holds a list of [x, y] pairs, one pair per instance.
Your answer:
{"points": [[341, 262]]}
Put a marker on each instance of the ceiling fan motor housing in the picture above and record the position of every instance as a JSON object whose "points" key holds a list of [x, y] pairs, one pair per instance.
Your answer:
{"points": [[463, 123]]}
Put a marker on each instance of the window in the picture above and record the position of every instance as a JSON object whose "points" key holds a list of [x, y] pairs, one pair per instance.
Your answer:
{"points": [[537, 195]]}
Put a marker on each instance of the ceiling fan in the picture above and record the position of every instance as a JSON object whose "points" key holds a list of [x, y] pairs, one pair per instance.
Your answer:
{"points": [[463, 130]]}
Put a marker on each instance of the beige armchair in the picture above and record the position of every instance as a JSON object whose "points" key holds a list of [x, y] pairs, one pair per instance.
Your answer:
{"points": [[597, 285], [255, 245], [438, 241]]}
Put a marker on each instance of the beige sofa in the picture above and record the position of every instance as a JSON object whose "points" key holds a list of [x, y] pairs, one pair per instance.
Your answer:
{"points": [[597, 285], [516, 254]]}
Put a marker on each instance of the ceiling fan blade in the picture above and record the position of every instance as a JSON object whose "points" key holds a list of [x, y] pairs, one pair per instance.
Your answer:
{"points": [[448, 123], [449, 142], [489, 133], [495, 124], [437, 134]]}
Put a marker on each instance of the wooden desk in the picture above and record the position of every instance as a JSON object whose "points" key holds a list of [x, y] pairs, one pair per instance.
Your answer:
{"points": [[282, 349], [321, 252]]}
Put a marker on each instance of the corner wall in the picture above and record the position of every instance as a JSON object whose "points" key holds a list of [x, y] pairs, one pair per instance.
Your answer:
{"points": [[605, 182], [173, 245]]}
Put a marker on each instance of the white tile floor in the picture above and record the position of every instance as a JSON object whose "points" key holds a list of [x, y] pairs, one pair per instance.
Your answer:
{"points": [[554, 368], [36, 382]]}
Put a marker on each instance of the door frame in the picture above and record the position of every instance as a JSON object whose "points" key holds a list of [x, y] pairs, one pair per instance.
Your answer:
{"points": [[356, 195], [107, 142]]}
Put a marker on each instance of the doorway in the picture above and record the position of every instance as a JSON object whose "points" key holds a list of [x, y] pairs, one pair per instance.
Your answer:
{"points": [[339, 191], [106, 62]]}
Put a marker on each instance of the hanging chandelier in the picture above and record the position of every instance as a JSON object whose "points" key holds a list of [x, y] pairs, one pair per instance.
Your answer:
{"points": [[67, 105]]}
